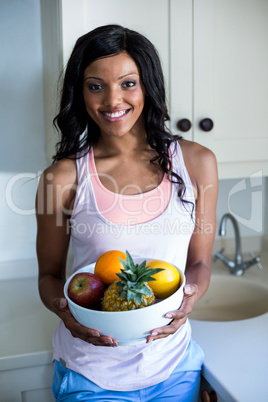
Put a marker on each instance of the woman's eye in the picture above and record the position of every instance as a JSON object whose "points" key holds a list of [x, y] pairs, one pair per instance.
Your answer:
{"points": [[95, 87], [129, 84]]}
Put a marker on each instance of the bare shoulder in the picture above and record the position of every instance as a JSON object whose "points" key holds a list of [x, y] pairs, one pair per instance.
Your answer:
{"points": [[196, 153], [200, 162], [62, 172], [57, 185]]}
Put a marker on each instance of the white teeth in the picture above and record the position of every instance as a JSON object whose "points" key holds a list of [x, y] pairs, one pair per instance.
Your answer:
{"points": [[115, 114]]}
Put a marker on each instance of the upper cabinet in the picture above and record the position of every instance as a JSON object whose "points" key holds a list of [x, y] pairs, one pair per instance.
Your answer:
{"points": [[227, 80], [215, 60]]}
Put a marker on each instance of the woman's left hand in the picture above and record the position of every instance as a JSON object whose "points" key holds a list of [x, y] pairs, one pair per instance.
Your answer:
{"points": [[179, 316]]}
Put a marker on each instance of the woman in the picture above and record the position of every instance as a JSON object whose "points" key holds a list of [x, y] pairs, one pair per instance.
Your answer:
{"points": [[118, 169]]}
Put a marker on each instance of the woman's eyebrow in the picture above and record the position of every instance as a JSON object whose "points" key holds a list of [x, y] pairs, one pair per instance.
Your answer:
{"points": [[94, 78], [125, 75], [101, 79]]}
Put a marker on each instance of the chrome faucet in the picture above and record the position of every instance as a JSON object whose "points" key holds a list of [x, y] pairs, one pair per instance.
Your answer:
{"points": [[238, 266]]}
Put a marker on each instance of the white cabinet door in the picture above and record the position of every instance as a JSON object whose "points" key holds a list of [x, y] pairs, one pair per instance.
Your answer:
{"points": [[181, 64], [27, 384], [230, 58], [147, 17]]}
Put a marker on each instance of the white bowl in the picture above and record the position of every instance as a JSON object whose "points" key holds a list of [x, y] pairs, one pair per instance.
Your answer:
{"points": [[127, 327]]}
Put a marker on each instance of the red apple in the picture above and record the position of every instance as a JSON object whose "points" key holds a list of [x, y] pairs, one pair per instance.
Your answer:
{"points": [[86, 289]]}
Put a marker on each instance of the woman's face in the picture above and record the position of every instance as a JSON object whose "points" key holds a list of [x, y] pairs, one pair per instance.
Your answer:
{"points": [[114, 95]]}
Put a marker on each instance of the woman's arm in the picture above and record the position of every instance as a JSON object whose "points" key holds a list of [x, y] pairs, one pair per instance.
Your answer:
{"points": [[202, 168], [54, 201], [204, 174]]}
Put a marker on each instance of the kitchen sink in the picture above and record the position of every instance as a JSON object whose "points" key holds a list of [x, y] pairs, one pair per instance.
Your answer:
{"points": [[231, 298]]}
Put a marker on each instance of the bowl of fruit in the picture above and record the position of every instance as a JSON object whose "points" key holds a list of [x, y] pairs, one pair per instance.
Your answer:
{"points": [[124, 297]]}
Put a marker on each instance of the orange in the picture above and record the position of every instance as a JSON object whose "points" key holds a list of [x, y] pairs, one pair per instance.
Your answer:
{"points": [[108, 265], [167, 281]]}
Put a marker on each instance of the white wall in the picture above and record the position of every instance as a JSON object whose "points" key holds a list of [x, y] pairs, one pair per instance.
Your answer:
{"points": [[22, 151]]}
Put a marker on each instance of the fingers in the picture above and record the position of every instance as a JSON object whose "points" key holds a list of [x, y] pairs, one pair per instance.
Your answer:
{"points": [[92, 336], [190, 289], [62, 303], [77, 330], [178, 317], [87, 334], [163, 332]]}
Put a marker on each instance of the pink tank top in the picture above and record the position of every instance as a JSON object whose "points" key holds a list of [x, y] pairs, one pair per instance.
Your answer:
{"points": [[128, 209], [165, 236]]}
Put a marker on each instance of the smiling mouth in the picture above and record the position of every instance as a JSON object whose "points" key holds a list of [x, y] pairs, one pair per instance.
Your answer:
{"points": [[115, 115]]}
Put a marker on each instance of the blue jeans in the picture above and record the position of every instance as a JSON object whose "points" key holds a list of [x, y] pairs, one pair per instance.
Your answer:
{"points": [[181, 386]]}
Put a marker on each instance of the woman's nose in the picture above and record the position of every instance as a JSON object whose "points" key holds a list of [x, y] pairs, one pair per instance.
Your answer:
{"points": [[113, 97]]}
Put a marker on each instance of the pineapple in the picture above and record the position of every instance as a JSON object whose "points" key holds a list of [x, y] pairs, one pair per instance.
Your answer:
{"points": [[131, 291]]}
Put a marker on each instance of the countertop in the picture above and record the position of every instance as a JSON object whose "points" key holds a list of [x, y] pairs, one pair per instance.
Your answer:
{"points": [[236, 352]]}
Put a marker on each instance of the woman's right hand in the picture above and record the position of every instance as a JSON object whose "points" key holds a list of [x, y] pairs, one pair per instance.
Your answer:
{"points": [[77, 330]]}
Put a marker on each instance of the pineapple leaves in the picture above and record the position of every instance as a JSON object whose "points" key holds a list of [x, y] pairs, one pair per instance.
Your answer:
{"points": [[130, 295], [125, 265], [135, 272], [133, 280], [147, 275], [138, 274], [138, 298], [145, 291], [130, 261], [124, 276]]}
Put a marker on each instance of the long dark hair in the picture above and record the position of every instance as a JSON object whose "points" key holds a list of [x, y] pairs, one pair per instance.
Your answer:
{"points": [[78, 132]]}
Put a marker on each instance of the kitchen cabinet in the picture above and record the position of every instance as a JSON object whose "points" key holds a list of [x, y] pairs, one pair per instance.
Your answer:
{"points": [[220, 71], [207, 392], [215, 60], [231, 82], [26, 331], [27, 384]]}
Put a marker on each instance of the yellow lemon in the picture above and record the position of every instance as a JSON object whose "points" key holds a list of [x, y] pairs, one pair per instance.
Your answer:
{"points": [[167, 281]]}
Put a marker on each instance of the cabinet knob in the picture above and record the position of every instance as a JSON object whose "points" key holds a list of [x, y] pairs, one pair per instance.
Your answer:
{"points": [[184, 125], [206, 124]]}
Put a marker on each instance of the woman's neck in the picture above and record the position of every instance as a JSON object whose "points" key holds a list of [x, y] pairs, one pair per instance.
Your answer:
{"points": [[127, 144]]}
